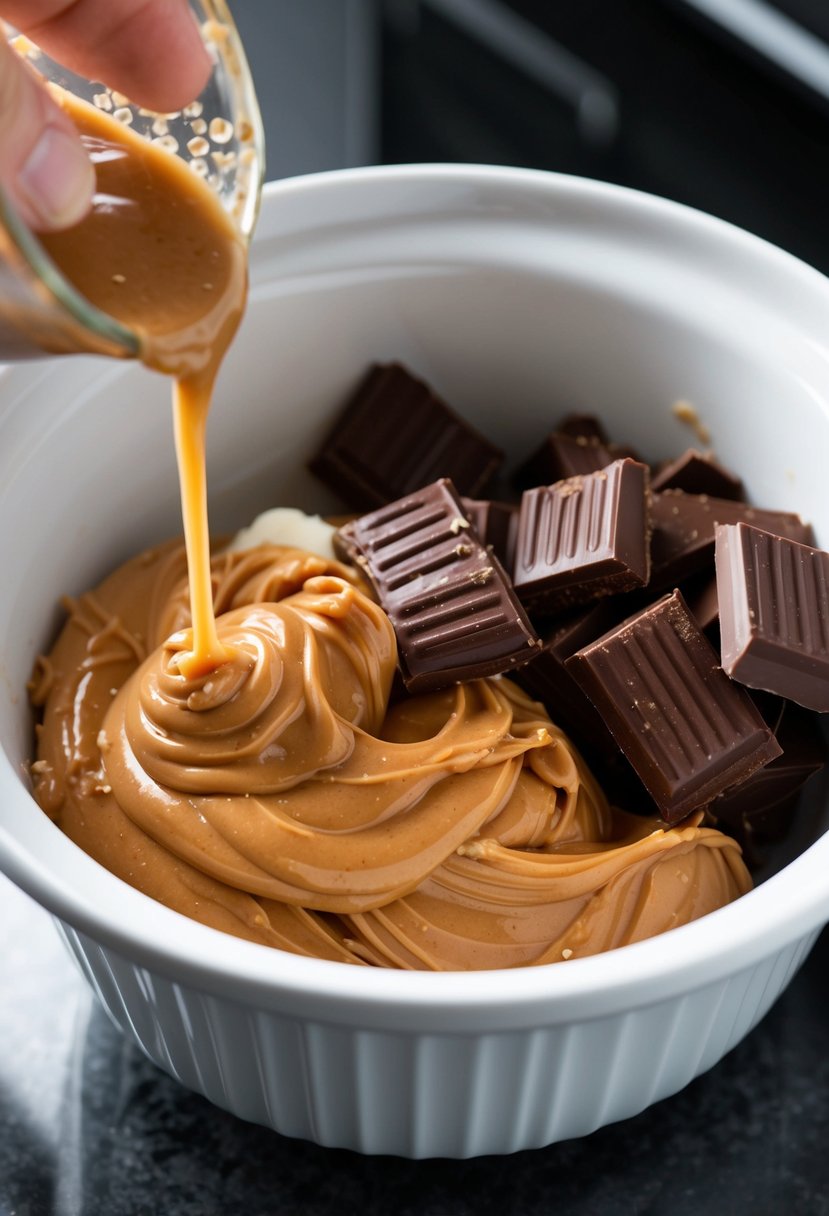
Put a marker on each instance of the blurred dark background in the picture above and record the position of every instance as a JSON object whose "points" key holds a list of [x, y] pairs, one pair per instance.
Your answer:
{"points": [[722, 104]]}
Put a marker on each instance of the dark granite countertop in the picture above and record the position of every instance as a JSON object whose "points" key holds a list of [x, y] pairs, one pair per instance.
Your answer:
{"points": [[88, 1127]]}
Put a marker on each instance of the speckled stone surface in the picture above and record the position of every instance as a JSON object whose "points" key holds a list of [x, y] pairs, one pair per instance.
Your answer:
{"points": [[88, 1127]]}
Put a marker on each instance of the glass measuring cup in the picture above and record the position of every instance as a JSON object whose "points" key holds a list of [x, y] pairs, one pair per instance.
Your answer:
{"points": [[219, 134]]}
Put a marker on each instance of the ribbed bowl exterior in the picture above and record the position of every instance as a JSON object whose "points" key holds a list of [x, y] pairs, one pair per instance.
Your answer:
{"points": [[451, 1094]]}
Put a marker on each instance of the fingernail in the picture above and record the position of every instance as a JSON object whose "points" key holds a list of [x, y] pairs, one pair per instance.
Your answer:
{"points": [[58, 179]]}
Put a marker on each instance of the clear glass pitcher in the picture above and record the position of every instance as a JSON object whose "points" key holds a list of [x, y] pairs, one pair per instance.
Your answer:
{"points": [[221, 136]]}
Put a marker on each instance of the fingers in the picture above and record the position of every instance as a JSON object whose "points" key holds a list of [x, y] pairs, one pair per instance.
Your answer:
{"points": [[44, 169], [151, 50]]}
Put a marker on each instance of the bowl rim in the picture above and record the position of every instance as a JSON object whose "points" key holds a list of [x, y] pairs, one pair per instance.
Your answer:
{"points": [[789, 906]]}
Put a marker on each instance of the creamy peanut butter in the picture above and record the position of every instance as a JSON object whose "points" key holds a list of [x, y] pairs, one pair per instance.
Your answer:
{"points": [[287, 799]]}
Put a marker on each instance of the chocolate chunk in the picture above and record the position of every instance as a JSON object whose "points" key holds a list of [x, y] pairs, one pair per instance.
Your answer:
{"points": [[546, 678], [698, 473], [701, 597], [583, 538], [761, 809], [496, 524], [588, 426], [683, 532], [453, 609], [394, 436], [689, 732], [563, 455], [774, 614]]}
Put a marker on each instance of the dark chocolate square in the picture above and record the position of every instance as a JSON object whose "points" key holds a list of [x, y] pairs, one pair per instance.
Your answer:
{"points": [[394, 436], [583, 538], [452, 606], [689, 732]]}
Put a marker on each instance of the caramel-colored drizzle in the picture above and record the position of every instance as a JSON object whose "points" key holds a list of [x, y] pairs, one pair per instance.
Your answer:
{"points": [[191, 401], [158, 253]]}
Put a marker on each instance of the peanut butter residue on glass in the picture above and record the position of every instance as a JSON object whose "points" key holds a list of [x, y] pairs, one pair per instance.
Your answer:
{"points": [[284, 798]]}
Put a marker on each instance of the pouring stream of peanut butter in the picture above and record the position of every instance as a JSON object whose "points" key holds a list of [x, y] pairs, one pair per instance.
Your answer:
{"points": [[251, 770], [158, 252]]}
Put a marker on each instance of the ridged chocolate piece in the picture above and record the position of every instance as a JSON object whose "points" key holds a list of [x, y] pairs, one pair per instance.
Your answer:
{"points": [[583, 538], [394, 436], [689, 732], [683, 532], [563, 455], [496, 524], [774, 614], [454, 612], [761, 809], [698, 473]]}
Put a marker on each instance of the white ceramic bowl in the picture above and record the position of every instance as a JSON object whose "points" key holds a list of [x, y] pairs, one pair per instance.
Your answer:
{"points": [[518, 295]]}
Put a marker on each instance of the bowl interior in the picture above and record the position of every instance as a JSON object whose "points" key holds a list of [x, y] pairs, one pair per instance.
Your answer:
{"points": [[518, 296]]}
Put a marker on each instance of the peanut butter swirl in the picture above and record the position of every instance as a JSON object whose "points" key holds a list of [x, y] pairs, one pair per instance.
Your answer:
{"points": [[286, 797]]}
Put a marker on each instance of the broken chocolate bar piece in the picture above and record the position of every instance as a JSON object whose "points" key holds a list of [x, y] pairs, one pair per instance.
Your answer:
{"points": [[683, 531], [760, 810], [689, 732], [774, 614], [496, 524], [563, 455], [583, 538], [394, 436], [453, 609], [698, 473]]}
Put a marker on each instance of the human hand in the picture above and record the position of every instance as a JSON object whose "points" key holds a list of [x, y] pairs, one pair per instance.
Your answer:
{"points": [[150, 50]]}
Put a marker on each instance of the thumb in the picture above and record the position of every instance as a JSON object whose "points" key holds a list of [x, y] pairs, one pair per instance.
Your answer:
{"points": [[44, 169]]}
